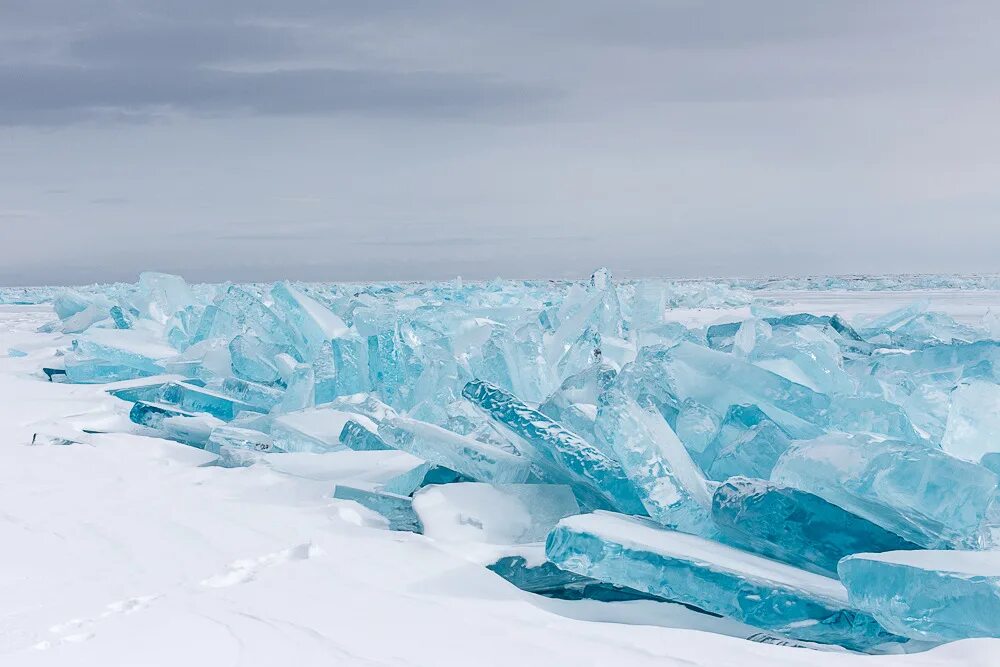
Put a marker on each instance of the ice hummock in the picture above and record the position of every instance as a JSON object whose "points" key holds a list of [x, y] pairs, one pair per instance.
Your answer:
{"points": [[820, 437]]}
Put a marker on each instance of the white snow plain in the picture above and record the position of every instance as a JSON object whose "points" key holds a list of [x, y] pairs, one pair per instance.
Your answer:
{"points": [[123, 550]]}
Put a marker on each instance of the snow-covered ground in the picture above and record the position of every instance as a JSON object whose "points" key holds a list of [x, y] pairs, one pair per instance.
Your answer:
{"points": [[124, 550]]}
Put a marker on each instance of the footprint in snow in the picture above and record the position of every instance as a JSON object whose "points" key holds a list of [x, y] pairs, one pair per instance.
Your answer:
{"points": [[242, 571]]}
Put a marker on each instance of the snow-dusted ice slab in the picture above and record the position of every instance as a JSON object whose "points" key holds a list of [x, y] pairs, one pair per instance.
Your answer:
{"points": [[920, 493], [474, 459], [711, 576], [930, 595]]}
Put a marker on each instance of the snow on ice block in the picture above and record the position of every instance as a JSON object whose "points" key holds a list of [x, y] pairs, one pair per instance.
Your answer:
{"points": [[599, 481], [917, 492], [495, 514], [310, 430], [472, 458], [929, 595], [794, 526], [671, 487], [135, 349], [711, 576]]}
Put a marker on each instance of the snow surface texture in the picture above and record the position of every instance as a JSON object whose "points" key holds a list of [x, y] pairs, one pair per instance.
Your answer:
{"points": [[127, 548]]}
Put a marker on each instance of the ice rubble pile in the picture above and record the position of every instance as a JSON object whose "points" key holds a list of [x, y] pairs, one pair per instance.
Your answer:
{"points": [[825, 481]]}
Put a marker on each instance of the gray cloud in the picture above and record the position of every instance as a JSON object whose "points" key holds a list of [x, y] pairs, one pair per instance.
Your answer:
{"points": [[357, 139], [60, 94]]}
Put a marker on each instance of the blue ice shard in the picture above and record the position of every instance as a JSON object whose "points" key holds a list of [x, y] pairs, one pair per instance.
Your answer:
{"points": [[574, 404], [711, 576], [425, 474], [201, 399], [253, 359], [397, 509], [258, 395], [310, 430], [973, 427], [748, 443], [915, 491], [795, 527], [83, 370], [544, 578], [669, 484], [253, 315], [930, 595], [185, 427], [310, 322], [301, 391], [233, 438], [476, 460], [718, 380], [562, 454], [360, 439]]}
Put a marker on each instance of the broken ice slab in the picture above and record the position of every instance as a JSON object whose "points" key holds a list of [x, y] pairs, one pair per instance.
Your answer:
{"points": [[350, 358], [795, 527], [747, 443], [174, 424], [598, 480], [193, 398], [301, 391], [973, 427], [148, 388], [425, 474], [259, 395], [574, 404], [310, 322], [83, 370], [160, 295], [234, 437], [534, 574], [931, 595], [397, 509], [711, 576], [52, 373], [718, 380], [357, 437], [251, 314], [132, 348], [669, 484], [915, 491], [310, 430], [476, 460], [495, 514], [253, 359]]}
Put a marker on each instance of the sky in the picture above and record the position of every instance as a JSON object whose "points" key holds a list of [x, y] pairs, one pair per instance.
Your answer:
{"points": [[395, 139]]}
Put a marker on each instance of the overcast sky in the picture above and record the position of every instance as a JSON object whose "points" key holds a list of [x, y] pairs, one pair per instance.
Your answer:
{"points": [[391, 139]]}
